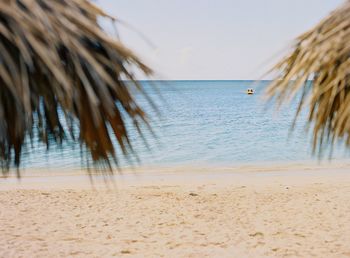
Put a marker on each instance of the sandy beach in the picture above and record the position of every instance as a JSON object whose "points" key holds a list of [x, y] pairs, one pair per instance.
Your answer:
{"points": [[294, 211]]}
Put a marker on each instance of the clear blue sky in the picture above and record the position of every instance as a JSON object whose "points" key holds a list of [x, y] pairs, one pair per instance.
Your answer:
{"points": [[214, 39]]}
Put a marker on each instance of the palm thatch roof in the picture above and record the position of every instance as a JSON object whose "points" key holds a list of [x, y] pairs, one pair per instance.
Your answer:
{"points": [[55, 56], [318, 69]]}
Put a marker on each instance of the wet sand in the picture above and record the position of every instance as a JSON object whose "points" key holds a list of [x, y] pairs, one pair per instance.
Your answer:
{"points": [[294, 211]]}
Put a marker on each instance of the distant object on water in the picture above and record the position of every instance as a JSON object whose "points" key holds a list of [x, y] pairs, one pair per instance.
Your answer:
{"points": [[250, 91]]}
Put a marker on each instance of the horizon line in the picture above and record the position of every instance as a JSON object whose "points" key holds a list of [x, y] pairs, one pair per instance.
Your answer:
{"points": [[252, 80]]}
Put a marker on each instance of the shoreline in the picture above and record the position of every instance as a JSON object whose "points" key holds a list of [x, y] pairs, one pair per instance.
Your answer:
{"points": [[71, 178], [176, 168]]}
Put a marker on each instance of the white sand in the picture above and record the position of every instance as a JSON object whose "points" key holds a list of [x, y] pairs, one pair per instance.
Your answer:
{"points": [[296, 211]]}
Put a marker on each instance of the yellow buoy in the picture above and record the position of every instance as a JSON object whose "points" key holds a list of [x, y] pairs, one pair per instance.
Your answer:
{"points": [[250, 91]]}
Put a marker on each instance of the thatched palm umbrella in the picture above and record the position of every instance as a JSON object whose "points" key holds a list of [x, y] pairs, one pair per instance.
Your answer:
{"points": [[55, 56], [318, 68]]}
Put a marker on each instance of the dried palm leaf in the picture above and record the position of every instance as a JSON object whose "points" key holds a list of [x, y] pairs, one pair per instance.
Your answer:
{"points": [[319, 69], [55, 56]]}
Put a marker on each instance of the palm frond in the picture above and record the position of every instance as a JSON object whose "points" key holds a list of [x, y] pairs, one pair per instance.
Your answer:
{"points": [[319, 68], [55, 56]]}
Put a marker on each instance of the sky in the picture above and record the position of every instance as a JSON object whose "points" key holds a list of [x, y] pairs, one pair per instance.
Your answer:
{"points": [[212, 39]]}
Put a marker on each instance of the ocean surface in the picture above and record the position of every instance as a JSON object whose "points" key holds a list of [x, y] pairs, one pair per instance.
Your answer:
{"points": [[205, 123]]}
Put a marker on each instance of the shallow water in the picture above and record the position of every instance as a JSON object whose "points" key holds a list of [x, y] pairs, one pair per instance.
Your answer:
{"points": [[206, 122]]}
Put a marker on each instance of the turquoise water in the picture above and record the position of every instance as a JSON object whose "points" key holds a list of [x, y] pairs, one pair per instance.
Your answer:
{"points": [[207, 122]]}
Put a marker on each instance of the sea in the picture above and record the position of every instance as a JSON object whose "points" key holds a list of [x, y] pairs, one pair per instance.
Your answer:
{"points": [[204, 123]]}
